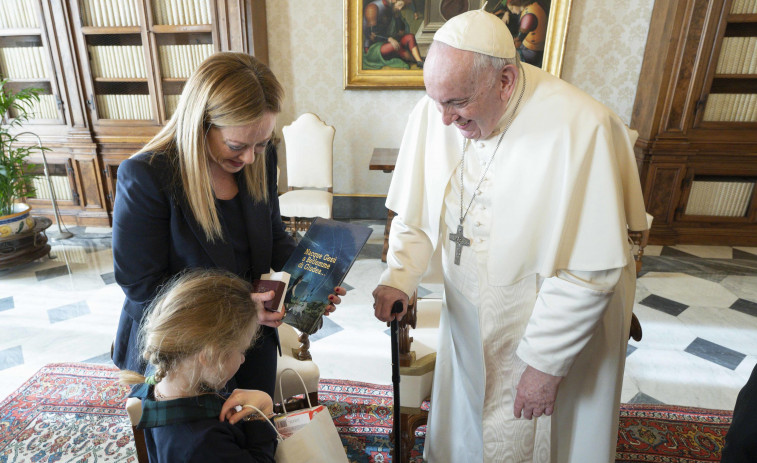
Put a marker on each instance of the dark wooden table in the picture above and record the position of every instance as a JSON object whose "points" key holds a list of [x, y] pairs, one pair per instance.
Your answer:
{"points": [[384, 159]]}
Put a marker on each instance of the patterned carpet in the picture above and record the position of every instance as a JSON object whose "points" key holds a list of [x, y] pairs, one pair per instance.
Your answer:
{"points": [[663, 433], [67, 412], [73, 412]]}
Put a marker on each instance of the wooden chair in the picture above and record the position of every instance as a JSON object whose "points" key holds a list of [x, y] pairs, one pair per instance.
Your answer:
{"points": [[309, 158], [134, 410]]}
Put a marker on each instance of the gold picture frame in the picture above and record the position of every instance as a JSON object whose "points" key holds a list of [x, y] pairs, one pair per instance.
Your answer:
{"points": [[355, 77]]}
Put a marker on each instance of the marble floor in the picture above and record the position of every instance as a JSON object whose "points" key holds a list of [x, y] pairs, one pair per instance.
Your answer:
{"points": [[697, 306]]}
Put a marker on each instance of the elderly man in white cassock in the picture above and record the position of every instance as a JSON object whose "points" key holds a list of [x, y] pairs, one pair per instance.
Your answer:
{"points": [[530, 187]]}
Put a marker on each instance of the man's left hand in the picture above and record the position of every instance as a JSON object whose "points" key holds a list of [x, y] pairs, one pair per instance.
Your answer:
{"points": [[536, 395]]}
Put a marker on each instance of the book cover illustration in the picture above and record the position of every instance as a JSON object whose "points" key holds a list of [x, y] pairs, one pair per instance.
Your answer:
{"points": [[318, 264]]}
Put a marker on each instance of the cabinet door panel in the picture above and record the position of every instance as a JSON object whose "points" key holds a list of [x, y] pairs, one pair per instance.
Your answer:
{"points": [[91, 186], [61, 182], [111, 174], [661, 190], [27, 60]]}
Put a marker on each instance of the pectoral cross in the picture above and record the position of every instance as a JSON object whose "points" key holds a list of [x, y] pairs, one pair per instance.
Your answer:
{"points": [[459, 241]]}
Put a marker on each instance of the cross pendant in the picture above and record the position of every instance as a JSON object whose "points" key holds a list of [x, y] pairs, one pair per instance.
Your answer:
{"points": [[459, 241]]}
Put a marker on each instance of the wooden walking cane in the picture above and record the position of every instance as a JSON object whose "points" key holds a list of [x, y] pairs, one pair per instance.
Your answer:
{"points": [[396, 420]]}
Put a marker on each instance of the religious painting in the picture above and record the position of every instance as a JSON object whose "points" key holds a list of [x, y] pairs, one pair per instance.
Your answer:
{"points": [[386, 41]]}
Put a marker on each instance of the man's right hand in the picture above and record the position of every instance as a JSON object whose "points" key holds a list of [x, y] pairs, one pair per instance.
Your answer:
{"points": [[384, 298]]}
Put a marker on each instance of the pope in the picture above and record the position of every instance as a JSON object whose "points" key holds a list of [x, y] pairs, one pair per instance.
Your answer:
{"points": [[529, 186]]}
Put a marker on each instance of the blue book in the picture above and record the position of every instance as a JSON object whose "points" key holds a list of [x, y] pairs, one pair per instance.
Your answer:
{"points": [[318, 264]]}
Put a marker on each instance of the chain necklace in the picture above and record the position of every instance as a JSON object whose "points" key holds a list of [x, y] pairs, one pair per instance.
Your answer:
{"points": [[458, 237], [203, 391], [160, 396]]}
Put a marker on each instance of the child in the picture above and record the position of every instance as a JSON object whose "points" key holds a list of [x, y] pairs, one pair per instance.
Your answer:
{"points": [[195, 337]]}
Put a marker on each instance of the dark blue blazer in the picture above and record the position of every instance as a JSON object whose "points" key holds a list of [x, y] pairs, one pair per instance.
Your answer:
{"points": [[155, 236]]}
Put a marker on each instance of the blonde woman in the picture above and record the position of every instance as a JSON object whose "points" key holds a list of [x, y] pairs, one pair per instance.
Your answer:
{"points": [[195, 337], [202, 194]]}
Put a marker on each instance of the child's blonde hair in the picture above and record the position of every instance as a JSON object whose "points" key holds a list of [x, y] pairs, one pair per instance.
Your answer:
{"points": [[198, 312]]}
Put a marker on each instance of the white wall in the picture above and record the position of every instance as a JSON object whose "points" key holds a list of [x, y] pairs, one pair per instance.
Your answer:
{"points": [[603, 53]]}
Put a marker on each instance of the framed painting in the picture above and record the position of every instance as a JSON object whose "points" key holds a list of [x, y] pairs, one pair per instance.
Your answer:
{"points": [[386, 41]]}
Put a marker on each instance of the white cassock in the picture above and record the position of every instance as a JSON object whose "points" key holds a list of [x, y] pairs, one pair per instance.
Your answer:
{"points": [[547, 281]]}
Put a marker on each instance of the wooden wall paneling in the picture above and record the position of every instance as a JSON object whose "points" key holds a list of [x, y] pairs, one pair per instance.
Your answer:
{"points": [[683, 190], [665, 180], [67, 61], [703, 58], [242, 27], [220, 10], [654, 83], [112, 155], [110, 171], [753, 207], [257, 29], [50, 47], [652, 89], [215, 34], [676, 146], [708, 68], [88, 173], [83, 74], [91, 148], [235, 30], [150, 49], [684, 77]]}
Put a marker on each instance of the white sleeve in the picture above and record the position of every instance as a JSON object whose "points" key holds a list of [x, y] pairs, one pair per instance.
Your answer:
{"points": [[567, 310], [408, 256]]}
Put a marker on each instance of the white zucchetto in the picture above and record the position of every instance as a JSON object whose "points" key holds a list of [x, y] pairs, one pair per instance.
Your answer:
{"points": [[478, 31]]}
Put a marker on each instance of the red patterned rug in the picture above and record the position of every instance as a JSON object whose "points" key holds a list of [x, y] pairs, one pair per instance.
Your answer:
{"points": [[663, 433], [74, 412], [67, 412]]}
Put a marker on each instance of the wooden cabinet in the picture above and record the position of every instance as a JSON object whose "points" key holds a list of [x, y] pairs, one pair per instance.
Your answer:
{"points": [[110, 73], [26, 59], [696, 114]]}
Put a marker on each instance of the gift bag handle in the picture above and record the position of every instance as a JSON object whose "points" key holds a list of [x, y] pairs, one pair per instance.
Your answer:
{"points": [[305, 388], [265, 417]]}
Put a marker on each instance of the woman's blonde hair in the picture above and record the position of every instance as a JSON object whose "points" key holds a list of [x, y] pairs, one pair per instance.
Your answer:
{"points": [[203, 312], [227, 89]]}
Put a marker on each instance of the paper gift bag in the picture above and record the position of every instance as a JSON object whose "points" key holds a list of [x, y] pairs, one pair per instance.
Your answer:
{"points": [[317, 441]]}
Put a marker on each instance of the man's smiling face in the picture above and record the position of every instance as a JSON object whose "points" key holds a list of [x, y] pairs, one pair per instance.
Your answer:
{"points": [[475, 106]]}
